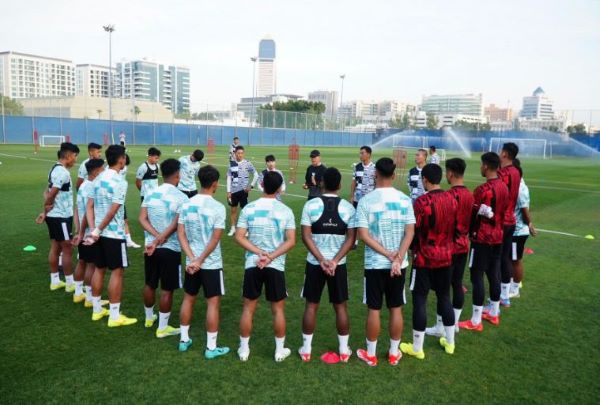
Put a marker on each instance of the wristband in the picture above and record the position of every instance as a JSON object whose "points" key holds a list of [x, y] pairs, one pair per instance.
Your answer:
{"points": [[96, 232]]}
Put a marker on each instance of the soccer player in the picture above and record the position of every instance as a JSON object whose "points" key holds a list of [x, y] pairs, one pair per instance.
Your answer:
{"points": [[414, 181], [238, 184], [455, 171], [188, 172], [94, 152], [328, 231], [523, 229], [363, 176], [386, 223], [87, 254], [271, 234], [106, 213], [509, 174], [434, 157], [232, 148], [201, 225], [271, 164], [162, 256], [58, 215], [314, 175], [122, 138], [435, 212], [146, 178], [490, 201]]}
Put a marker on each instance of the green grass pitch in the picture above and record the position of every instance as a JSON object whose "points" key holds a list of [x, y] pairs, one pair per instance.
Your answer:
{"points": [[545, 350]]}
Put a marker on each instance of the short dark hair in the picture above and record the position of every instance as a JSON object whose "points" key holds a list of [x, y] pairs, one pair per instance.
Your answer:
{"points": [[385, 167], [153, 151], [432, 148], [366, 149], [271, 182], [517, 164], [421, 150], [67, 147], [208, 175], [169, 167], [127, 160], [332, 179], [511, 149], [235, 137], [491, 160], [93, 164], [432, 172], [198, 155], [269, 158], [93, 146], [239, 147], [113, 153], [456, 166]]}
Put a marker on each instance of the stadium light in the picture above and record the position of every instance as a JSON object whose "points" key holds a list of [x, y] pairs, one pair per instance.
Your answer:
{"points": [[110, 28], [253, 59]]}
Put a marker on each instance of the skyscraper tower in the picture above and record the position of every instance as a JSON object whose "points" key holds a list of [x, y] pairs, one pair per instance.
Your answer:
{"points": [[267, 73]]}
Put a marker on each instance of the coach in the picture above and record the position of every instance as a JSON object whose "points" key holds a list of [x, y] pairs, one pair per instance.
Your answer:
{"points": [[314, 175]]}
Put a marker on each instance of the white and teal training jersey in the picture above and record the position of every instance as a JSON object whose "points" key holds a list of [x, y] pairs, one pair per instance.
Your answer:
{"points": [[148, 174], [60, 178], [385, 212], [523, 201], [200, 216], [187, 174], [82, 172], [328, 244], [163, 205], [266, 220], [110, 188], [85, 191]]}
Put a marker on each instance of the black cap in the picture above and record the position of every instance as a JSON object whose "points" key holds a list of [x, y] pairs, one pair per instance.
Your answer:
{"points": [[315, 153]]}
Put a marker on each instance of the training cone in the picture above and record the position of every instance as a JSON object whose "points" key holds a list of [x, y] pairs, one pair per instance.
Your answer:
{"points": [[528, 251], [29, 248], [590, 237], [330, 358]]}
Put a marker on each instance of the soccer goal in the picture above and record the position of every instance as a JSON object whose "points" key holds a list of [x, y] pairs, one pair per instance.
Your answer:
{"points": [[527, 146], [51, 140], [411, 150]]}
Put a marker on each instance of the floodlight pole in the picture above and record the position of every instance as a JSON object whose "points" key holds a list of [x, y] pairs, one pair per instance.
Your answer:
{"points": [[110, 29], [253, 59], [3, 120], [342, 96]]}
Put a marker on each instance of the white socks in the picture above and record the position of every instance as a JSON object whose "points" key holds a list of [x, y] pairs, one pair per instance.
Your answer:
{"points": [[514, 288], [457, 313], [185, 333], [495, 309], [418, 338], [96, 304], [394, 347], [54, 278], [163, 320], [343, 343], [88, 292], [114, 311], [449, 334], [211, 340], [371, 347], [306, 343], [504, 290], [244, 343], [78, 287], [477, 312], [149, 313], [279, 342], [69, 279]]}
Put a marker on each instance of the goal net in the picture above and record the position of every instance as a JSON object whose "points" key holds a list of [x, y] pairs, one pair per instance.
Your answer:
{"points": [[531, 147], [51, 140], [412, 150]]}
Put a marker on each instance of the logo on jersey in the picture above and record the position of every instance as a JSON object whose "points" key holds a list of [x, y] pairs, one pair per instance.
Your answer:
{"points": [[330, 224]]}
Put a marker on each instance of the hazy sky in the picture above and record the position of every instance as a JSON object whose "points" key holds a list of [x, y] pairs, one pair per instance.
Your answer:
{"points": [[387, 49]]}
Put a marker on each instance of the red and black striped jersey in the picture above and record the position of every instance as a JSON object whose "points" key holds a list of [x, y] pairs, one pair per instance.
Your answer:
{"points": [[512, 179], [464, 201], [494, 194]]}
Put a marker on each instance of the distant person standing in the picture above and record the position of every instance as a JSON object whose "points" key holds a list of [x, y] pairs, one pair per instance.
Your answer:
{"points": [[363, 176], [238, 184], [271, 164], [122, 138], [434, 158], [415, 181], [190, 165], [314, 175], [232, 147], [94, 152], [146, 178]]}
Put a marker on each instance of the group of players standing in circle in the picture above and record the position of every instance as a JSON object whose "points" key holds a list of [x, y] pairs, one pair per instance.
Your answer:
{"points": [[433, 228]]}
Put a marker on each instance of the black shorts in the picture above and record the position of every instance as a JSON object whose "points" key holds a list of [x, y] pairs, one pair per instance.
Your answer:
{"points": [[315, 279], [88, 254], [112, 253], [355, 204], [210, 280], [485, 257], [239, 198], [190, 194], [274, 281], [59, 229], [380, 282], [518, 247], [163, 265], [422, 280]]}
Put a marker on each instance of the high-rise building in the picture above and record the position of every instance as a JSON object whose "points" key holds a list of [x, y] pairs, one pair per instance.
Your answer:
{"points": [[267, 72], [463, 104], [329, 98], [27, 76], [373, 111], [537, 106], [92, 81], [247, 103], [148, 80], [495, 114]]}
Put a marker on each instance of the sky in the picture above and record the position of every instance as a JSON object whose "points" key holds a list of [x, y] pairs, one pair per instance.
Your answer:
{"points": [[391, 49]]}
